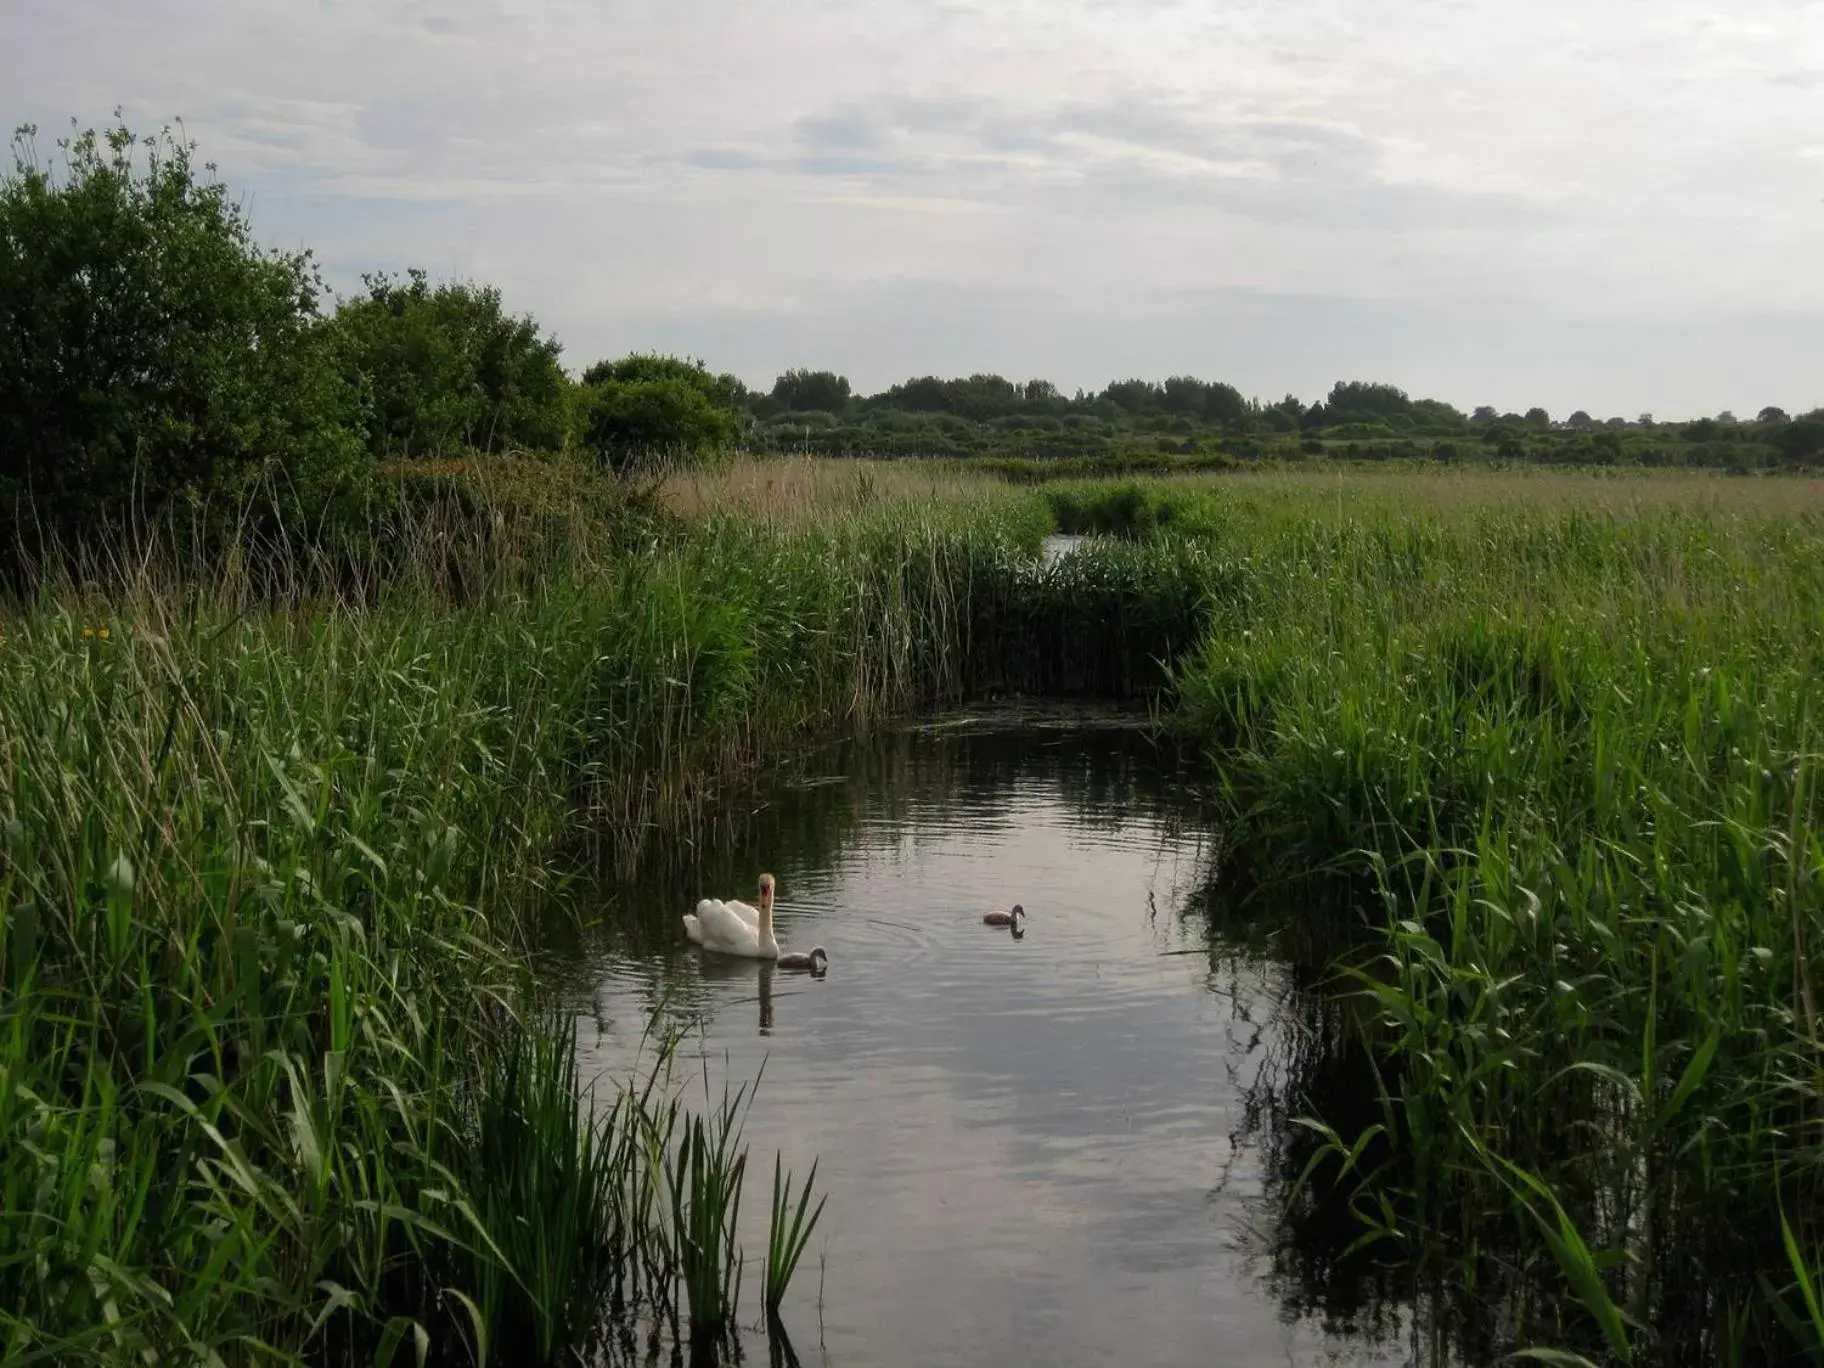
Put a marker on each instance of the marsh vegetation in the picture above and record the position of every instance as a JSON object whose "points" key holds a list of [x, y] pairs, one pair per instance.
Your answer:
{"points": [[309, 675]]}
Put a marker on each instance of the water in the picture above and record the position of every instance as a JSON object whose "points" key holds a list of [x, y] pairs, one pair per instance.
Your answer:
{"points": [[1057, 546], [1035, 1149]]}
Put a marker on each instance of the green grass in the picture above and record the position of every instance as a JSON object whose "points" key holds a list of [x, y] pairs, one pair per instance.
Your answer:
{"points": [[1549, 776], [1534, 759], [275, 842]]}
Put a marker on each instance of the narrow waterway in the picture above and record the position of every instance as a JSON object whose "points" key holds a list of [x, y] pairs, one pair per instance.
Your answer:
{"points": [[1043, 1149]]}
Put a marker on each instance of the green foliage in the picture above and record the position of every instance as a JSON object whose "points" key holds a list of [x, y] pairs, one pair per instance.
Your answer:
{"points": [[801, 390], [625, 421], [255, 1081], [544, 1283], [789, 1230], [704, 1178], [1546, 776], [446, 368], [1135, 396], [154, 361], [1358, 401], [643, 407], [1801, 440], [722, 391], [1133, 422]]}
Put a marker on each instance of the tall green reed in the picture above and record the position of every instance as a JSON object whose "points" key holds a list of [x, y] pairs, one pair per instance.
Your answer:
{"points": [[1547, 776], [704, 1180], [275, 835], [789, 1230]]}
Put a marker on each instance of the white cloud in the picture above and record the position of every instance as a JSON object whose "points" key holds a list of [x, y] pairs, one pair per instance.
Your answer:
{"points": [[638, 168]]}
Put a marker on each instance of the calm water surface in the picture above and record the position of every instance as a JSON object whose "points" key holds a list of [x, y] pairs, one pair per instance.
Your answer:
{"points": [[1059, 545], [1035, 1150]]}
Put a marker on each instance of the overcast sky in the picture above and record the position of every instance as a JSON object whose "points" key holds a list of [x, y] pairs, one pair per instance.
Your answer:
{"points": [[1609, 204]]}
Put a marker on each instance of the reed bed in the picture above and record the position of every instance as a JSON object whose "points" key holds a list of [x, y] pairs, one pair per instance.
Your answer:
{"points": [[802, 490], [1395, 488], [1536, 756], [1546, 773], [274, 1080]]}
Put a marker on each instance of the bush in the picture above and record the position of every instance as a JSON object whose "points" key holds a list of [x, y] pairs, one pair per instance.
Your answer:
{"points": [[446, 368], [722, 391], [153, 360], [625, 421]]}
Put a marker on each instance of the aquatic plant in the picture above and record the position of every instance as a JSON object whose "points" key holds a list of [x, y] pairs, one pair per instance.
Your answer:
{"points": [[1539, 758], [704, 1179], [275, 839], [1547, 775], [788, 1231]]}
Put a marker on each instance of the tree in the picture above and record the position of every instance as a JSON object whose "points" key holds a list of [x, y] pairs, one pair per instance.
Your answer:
{"points": [[722, 390], [1484, 414], [1538, 418], [1770, 414], [446, 367], [644, 405], [1135, 396], [1361, 401], [1580, 421], [1183, 394], [1802, 439], [977, 398], [1223, 403], [152, 356], [1438, 416], [805, 391], [625, 421], [1284, 416]]}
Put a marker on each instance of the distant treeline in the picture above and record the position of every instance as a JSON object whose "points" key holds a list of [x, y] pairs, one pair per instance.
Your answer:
{"points": [[987, 415], [153, 357]]}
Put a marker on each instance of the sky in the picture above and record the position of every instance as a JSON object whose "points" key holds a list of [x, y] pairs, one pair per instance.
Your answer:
{"points": [[1615, 205]]}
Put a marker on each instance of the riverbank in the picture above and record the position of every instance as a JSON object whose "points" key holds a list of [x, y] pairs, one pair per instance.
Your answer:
{"points": [[271, 844], [1538, 751], [1558, 753]]}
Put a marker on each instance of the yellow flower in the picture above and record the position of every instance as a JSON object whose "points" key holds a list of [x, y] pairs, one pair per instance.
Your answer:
{"points": [[88, 631], [103, 634]]}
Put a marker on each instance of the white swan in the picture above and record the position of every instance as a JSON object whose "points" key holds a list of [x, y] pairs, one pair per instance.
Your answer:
{"points": [[1000, 918], [734, 928]]}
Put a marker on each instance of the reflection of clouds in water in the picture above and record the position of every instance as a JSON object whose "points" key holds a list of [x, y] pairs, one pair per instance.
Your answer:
{"points": [[1021, 1142]]}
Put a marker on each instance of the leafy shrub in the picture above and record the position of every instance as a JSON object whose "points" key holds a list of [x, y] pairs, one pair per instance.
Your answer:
{"points": [[446, 367], [626, 420], [723, 391], [153, 359], [648, 405]]}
